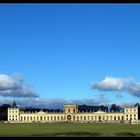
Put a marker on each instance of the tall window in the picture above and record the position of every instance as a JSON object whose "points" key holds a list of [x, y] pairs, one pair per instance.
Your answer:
{"points": [[85, 118], [40, 118], [44, 118], [118, 117], [95, 117], [54, 118], [107, 117], [77, 118], [68, 110]]}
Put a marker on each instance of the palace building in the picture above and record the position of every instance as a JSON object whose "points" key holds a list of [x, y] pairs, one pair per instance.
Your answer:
{"points": [[71, 113]]}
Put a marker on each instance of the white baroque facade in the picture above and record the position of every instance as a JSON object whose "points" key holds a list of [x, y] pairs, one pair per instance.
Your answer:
{"points": [[71, 113]]}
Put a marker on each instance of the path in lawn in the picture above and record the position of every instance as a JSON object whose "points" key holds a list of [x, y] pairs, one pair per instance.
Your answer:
{"points": [[69, 129]]}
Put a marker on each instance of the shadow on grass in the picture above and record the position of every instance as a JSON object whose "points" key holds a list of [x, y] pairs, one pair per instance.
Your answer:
{"points": [[65, 134], [125, 134]]}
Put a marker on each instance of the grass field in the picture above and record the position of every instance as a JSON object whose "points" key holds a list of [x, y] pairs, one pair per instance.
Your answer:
{"points": [[69, 129]]}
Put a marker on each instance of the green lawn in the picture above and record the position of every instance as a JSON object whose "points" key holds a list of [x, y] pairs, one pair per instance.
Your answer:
{"points": [[69, 129]]}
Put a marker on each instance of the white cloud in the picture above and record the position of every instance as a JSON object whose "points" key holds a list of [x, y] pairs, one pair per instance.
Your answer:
{"points": [[14, 86], [128, 85]]}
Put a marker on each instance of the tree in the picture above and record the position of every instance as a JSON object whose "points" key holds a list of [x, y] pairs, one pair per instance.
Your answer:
{"points": [[115, 108], [137, 104]]}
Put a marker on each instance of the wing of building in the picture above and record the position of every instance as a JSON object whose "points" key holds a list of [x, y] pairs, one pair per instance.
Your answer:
{"points": [[71, 113]]}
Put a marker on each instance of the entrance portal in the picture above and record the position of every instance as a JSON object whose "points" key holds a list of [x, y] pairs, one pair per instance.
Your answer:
{"points": [[69, 118]]}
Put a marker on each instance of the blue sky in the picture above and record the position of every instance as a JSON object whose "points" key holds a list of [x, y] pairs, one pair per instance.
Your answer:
{"points": [[61, 49]]}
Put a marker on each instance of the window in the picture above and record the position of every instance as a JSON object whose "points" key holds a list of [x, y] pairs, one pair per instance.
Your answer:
{"points": [[95, 117], [107, 117], [126, 115], [48, 118], [44, 118], [74, 118], [74, 110], [40, 118], [84, 117], [110, 117], [91, 117], [58, 118], [134, 110], [68, 110], [62, 118], [118, 117], [81, 117], [88, 117], [114, 117], [54, 118]]}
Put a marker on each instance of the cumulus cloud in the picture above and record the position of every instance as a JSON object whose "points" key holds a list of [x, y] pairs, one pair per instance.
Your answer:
{"points": [[14, 86], [128, 85]]}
